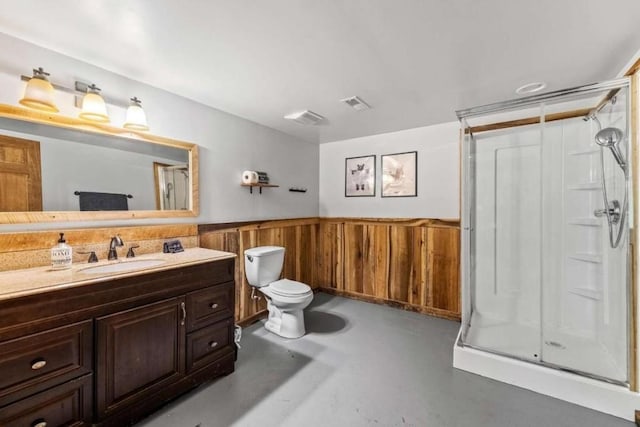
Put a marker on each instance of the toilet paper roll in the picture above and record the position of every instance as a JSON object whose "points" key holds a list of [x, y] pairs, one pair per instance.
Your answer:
{"points": [[249, 177]]}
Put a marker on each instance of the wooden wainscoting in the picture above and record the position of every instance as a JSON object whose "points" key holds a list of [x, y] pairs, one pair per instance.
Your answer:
{"points": [[297, 236], [412, 264]]}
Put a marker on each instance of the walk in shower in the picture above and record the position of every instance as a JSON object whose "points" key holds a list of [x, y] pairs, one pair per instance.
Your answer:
{"points": [[546, 226]]}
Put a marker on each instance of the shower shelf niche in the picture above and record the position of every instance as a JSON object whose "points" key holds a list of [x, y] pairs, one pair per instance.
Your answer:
{"points": [[583, 152], [586, 257], [586, 186], [587, 222], [587, 293]]}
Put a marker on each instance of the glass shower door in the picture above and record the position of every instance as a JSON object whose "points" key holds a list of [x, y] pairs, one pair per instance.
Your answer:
{"points": [[507, 242], [545, 279]]}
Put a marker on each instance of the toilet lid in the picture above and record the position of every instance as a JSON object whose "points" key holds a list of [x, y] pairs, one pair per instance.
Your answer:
{"points": [[289, 287]]}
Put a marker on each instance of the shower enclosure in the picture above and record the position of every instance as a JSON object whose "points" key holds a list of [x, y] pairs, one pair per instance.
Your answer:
{"points": [[172, 186], [546, 225]]}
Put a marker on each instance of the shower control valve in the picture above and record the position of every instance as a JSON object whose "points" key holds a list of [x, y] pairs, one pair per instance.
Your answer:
{"points": [[612, 213]]}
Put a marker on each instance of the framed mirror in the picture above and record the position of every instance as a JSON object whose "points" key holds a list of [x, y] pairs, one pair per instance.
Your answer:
{"points": [[58, 168]]}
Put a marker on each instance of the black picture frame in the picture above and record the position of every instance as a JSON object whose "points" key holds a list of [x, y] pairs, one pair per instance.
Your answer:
{"points": [[399, 174], [360, 176]]}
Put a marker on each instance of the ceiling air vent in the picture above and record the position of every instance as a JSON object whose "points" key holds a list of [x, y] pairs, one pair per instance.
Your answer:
{"points": [[305, 117], [356, 103]]}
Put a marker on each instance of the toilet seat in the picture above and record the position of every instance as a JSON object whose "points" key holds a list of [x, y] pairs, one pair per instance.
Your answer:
{"points": [[289, 288]]}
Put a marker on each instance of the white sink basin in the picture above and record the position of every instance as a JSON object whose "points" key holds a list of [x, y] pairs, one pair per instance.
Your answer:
{"points": [[124, 266]]}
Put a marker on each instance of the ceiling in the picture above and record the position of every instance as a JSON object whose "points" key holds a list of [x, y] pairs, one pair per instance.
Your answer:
{"points": [[414, 61]]}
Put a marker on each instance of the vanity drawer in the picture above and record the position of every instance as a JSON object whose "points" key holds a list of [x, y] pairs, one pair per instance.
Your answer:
{"points": [[36, 362], [66, 405], [209, 305], [208, 344]]}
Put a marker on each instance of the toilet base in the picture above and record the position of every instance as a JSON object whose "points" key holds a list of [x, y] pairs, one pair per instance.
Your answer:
{"points": [[287, 324]]}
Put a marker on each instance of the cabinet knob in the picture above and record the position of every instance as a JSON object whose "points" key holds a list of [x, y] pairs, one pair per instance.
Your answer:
{"points": [[213, 344], [39, 423], [214, 306], [38, 364]]}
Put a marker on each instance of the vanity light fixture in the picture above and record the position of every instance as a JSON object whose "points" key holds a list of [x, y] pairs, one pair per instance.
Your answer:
{"points": [[38, 93], [136, 118], [93, 106]]}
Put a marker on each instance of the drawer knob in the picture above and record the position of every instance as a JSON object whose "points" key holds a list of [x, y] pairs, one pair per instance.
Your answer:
{"points": [[39, 423], [213, 344], [214, 306], [38, 364]]}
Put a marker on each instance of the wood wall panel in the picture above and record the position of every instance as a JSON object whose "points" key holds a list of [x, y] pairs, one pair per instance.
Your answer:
{"points": [[306, 244], [33, 240], [408, 269], [32, 248], [411, 264], [353, 257], [330, 272], [444, 255]]}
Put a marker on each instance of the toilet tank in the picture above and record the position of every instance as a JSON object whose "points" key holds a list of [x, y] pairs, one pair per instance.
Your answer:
{"points": [[263, 264]]}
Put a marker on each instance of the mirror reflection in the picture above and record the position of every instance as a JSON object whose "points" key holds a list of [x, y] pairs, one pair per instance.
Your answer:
{"points": [[51, 168]]}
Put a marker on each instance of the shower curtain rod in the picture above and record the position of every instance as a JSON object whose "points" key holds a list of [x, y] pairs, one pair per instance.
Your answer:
{"points": [[584, 112], [535, 99]]}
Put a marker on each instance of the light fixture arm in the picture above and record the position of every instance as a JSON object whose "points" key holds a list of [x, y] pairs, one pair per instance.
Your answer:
{"points": [[81, 88], [39, 73]]}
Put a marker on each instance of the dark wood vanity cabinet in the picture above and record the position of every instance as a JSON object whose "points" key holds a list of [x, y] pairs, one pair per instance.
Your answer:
{"points": [[110, 353], [138, 352]]}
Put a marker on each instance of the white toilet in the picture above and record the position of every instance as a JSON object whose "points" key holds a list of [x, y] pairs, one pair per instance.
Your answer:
{"points": [[285, 298]]}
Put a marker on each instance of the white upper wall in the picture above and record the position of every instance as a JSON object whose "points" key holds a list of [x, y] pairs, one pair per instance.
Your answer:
{"points": [[228, 144], [438, 174]]}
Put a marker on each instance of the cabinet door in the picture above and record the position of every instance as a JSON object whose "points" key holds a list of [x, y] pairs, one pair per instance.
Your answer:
{"points": [[139, 352]]}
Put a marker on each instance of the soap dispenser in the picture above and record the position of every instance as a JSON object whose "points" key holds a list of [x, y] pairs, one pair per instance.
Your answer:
{"points": [[61, 255]]}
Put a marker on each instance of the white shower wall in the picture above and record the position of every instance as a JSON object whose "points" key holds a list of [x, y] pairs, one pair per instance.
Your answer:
{"points": [[547, 285]]}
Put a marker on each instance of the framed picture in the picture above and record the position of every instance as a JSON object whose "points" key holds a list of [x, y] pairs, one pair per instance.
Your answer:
{"points": [[399, 174], [360, 176]]}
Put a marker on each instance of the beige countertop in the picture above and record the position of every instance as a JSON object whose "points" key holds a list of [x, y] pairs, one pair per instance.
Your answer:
{"points": [[15, 283]]}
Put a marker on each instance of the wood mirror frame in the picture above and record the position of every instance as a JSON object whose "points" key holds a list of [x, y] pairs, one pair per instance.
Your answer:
{"points": [[79, 127]]}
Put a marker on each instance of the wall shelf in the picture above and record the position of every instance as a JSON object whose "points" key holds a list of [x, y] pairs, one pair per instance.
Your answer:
{"points": [[587, 293], [587, 257], [588, 222], [586, 186], [258, 185], [584, 152]]}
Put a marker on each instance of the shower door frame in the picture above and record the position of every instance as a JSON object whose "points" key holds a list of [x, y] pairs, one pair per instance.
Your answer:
{"points": [[468, 201]]}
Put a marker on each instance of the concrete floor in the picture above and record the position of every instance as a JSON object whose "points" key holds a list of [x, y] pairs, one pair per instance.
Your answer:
{"points": [[362, 365]]}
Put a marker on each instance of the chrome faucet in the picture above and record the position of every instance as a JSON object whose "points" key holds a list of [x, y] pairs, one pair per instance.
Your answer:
{"points": [[115, 242]]}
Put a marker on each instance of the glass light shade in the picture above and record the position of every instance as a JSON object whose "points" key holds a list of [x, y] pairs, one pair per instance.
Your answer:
{"points": [[94, 108], [136, 118], [38, 94]]}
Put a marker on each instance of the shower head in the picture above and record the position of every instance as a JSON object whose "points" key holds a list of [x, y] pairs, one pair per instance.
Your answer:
{"points": [[610, 138]]}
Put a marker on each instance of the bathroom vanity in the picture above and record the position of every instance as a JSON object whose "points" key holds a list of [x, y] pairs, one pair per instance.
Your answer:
{"points": [[79, 349]]}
